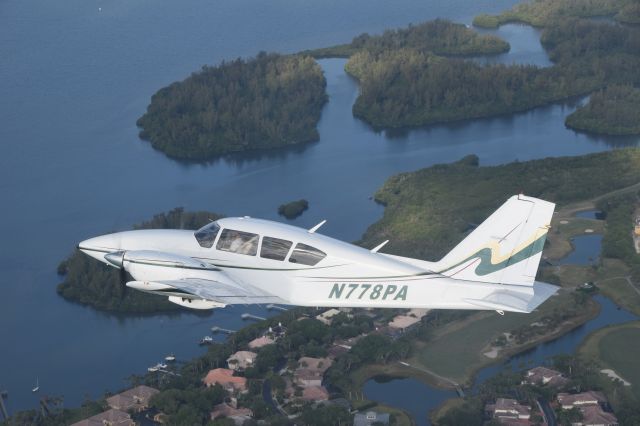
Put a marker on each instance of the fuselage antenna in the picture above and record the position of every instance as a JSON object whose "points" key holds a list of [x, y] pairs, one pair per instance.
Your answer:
{"points": [[315, 228]]}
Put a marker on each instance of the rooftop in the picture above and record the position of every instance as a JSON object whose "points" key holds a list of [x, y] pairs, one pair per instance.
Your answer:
{"points": [[224, 377], [370, 418], [581, 399], [137, 397], [110, 417], [261, 341], [228, 411], [315, 393], [593, 415]]}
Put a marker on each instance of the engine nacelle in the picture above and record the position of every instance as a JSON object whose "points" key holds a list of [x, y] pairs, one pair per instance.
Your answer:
{"points": [[195, 303]]}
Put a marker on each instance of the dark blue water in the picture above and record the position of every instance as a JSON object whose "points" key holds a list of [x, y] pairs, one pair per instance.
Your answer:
{"points": [[522, 50], [73, 80], [410, 395], [586, 250], [588, 214]]}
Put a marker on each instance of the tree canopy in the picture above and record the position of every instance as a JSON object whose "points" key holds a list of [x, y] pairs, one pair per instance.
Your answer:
{"points": [[261, 103], [614, 110]]}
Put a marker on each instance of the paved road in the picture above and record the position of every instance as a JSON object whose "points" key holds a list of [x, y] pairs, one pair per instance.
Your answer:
{"points": [[547, 412]]}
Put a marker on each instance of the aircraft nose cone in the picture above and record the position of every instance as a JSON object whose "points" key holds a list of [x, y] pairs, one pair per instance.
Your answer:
{"points": [[104, 243]]}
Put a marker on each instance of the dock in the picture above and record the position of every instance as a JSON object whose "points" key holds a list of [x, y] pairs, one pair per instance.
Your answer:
{"points": [[252, 317], [215, 329], [271, 307]]}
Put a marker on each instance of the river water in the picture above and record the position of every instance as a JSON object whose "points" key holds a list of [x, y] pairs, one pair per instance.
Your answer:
{"points": [[74, 77]]}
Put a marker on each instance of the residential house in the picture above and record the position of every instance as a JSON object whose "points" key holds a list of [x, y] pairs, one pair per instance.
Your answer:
{"points": [[241, 360], [110, 417], [226, 379], [238, 415], [336, 350], [593, 415], [370, 418], [136, 399], [404, 322], [326, 316], [315, 393], [260, 342], [545, 376], [568, 401], [509, 411], [311, 370]]}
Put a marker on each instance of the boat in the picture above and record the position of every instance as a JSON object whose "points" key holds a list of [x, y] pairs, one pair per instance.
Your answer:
{"points": [[37, 387], [170, 358], [206, 340], [157, 367]]}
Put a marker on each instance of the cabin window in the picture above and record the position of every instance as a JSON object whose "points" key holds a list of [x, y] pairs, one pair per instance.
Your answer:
{"points": [[275, 248], [207, 234], [238, 242], [306, 255]]}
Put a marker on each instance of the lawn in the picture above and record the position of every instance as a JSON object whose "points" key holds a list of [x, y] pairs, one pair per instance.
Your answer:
{"points": [[611, 283], [456, 351], [617, 348]]}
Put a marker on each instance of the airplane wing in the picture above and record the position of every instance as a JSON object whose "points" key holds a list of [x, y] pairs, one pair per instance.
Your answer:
{"points": [[215, 291]]}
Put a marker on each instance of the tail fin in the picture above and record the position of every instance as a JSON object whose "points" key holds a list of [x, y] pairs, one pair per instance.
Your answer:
{"points": [[506, 248]]}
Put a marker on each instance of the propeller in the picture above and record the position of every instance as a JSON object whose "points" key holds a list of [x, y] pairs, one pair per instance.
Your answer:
{"points": [[116, 258]]}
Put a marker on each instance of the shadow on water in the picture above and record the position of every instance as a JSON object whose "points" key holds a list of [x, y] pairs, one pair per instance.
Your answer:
{"points": [[240, 159]]}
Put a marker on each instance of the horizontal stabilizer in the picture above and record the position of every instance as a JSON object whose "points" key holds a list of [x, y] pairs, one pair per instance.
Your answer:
{"points": [[516, 300]]}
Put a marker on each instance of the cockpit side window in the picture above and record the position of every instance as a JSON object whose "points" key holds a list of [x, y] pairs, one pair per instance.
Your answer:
{"points": [[207, 234], [238, 242], [306, 255], [275, 248]]}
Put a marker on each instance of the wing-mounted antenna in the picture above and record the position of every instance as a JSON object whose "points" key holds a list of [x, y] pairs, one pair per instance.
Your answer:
{"points": [[379, 246], [315, 228]]}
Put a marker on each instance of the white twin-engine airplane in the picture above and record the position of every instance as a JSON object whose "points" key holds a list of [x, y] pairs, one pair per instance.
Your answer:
{"points": [[248, 261]]}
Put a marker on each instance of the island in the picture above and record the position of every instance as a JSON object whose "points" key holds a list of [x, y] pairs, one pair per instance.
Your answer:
{"points": [[93, 283], [266, 102], [614, 110], [293, 209]]}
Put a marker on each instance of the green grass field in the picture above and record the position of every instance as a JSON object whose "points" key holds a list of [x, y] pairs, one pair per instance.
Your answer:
{"points": [[468, 339], [617, 348]]}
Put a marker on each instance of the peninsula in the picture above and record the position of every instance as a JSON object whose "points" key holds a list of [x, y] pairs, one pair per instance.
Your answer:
{"points": [[542, 13], [611, 111]]}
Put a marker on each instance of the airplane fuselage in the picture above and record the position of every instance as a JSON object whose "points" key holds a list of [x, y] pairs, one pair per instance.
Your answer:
{"points": [[246, 260]]}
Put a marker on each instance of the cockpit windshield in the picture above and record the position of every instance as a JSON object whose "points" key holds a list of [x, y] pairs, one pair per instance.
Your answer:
{"points": [[207, 234]]}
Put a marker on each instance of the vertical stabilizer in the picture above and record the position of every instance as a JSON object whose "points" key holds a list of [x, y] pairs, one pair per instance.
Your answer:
{"points": [[506, 248]]}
